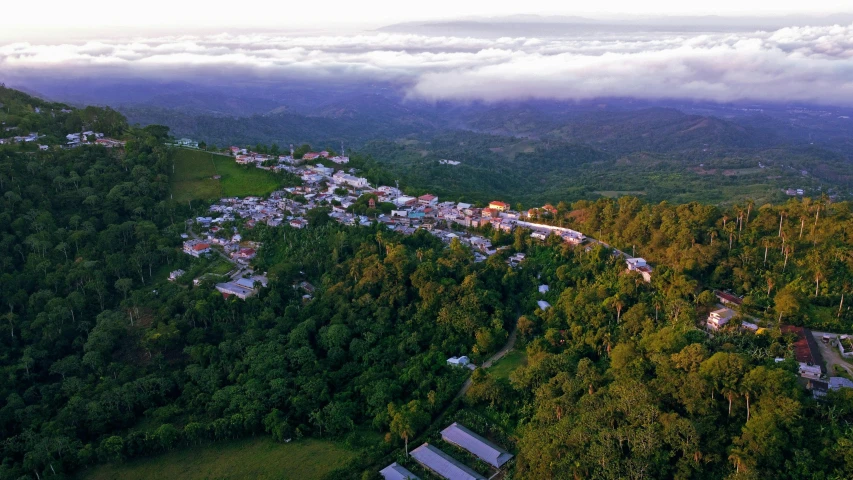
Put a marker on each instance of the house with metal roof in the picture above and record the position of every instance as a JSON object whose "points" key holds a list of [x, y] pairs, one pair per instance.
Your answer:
{"points": [[443, 464], [397, 472], [478, 446]]}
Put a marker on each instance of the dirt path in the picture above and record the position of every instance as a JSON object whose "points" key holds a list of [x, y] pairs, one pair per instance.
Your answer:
{"points": [[510, 343]]}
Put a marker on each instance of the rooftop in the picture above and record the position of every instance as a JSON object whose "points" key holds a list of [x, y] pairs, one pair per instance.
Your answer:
{"points": [[728, 297], [443, 464], [480, 447], [805, 347], [397, 472]]}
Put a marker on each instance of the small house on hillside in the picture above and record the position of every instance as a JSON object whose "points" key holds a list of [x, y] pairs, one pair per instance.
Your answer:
{"points": [[719, 318], [639, 265], [458, 361]]}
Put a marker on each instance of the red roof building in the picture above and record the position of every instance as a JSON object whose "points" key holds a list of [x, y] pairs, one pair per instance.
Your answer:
{"points": [[427, 199], [728, 298], [805, 347], [499, 206]]}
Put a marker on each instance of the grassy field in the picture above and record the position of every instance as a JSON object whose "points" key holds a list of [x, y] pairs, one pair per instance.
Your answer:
{"points": [[220, 267], [508, 364], [258, 458], [195, 169]]}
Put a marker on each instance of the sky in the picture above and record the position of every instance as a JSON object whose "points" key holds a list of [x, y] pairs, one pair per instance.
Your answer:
{"points": [[331, 39]]}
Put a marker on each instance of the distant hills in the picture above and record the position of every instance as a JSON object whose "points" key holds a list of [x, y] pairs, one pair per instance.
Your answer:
{"points": [[557, 25], [530, 151]]}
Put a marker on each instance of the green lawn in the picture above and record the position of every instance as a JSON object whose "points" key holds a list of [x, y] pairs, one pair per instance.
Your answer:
{"points": [[195, 169], [220, 267], [508, 364], [258, 458]]}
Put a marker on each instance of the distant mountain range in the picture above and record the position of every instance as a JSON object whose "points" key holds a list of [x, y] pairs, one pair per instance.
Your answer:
{"points": [[555, 25]]}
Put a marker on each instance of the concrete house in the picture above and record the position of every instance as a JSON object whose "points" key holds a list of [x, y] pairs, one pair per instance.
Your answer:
{"points": [[499, 206], [196, 248], [639, 265], [719, 318], [428, 199]]}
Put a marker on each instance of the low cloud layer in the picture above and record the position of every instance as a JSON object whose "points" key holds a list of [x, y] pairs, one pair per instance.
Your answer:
{"points": [[805, 64]]}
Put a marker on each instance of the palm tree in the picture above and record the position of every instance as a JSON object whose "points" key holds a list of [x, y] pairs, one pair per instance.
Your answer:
{"points": [[749, 206], [379, 241], [737, 458]]}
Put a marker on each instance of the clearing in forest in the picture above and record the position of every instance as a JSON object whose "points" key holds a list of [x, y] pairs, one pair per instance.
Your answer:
{"points": [[193, 177], [508, 364]]}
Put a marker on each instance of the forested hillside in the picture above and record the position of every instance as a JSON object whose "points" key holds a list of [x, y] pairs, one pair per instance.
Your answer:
{"points": [[534, 172], [22, 114], [105, 361]]}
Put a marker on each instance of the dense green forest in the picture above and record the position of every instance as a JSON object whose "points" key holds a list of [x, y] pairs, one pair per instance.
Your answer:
{"points": [[103, 360], [535, 153], [536, 171]]}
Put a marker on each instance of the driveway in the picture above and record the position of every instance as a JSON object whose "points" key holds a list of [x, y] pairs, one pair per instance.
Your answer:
{"points": [[831, 354], [510, 343]]}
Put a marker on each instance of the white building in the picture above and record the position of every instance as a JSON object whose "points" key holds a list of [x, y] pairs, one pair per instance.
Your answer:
{"points": [[719, 318], [404, 200], [458, 361], [639, 265]]}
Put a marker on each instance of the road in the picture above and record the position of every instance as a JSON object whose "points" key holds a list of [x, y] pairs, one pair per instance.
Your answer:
{"points": [[831, 354]]}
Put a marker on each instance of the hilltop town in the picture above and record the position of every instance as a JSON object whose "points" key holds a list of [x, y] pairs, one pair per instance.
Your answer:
{"points": [[341, 190]]}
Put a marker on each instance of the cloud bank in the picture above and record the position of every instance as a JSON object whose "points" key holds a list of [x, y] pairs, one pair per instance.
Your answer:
{"points": [[802, 64]]}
